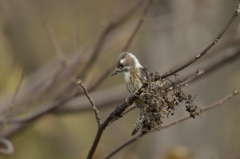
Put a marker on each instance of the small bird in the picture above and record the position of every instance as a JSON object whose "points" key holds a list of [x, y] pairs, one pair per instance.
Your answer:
{"points": [[134, 75]]}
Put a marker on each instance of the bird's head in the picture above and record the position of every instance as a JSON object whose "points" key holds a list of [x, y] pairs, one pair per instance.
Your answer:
{"points": [[125, 62]]}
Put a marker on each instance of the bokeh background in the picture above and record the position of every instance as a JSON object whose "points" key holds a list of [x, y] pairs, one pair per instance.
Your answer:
{"points": [[173, 33]]}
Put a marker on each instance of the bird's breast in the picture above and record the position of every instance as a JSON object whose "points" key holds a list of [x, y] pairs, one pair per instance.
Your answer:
{"points": [[133, 82]]}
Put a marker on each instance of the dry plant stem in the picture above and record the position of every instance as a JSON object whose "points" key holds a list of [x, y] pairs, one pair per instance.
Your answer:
{"points": [[139, 24], [128, 142], [98, 118], [115, 114], [205, 51]]}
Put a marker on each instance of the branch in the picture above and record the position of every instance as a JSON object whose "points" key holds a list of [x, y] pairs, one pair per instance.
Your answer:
{"points": [[128, 142], [115, 114], [98, 118], [205, 51]]}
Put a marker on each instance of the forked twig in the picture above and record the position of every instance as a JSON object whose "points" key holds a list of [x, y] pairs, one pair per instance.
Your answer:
{"points": [[98, 118], [128, 142]]}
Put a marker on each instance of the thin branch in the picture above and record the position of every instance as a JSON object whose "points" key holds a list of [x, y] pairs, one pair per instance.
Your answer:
{"points": [[128, 142], [205, 51], [115, 114], [98, 118]]}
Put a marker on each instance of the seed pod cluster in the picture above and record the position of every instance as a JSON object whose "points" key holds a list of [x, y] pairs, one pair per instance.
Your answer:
{"points": [[161, 98]]}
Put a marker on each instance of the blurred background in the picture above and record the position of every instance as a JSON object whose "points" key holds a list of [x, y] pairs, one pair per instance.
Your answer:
{"points": [[57, 119]]}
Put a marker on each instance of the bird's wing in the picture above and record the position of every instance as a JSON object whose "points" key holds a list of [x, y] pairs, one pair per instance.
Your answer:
{"points": [[143, 75]]}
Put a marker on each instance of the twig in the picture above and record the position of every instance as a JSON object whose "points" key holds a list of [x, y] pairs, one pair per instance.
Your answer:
{"points": [[128, 142], [139, 24], [115, 114], [98, 118], [205, 51]]}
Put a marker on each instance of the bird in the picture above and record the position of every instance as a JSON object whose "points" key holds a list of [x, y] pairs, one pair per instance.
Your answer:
{"points": [[134, 74]]}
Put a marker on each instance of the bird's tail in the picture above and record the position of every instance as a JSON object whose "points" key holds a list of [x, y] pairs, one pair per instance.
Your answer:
{"points": [[138, 123]]}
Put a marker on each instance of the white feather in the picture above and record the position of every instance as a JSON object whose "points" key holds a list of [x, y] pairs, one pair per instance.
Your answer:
{"points": [[136, 60], [122, 60]]}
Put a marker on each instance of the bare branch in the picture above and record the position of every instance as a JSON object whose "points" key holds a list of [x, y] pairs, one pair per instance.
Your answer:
{"points": [[98, 118], [205, 51], [128, 142], [117, 113]]}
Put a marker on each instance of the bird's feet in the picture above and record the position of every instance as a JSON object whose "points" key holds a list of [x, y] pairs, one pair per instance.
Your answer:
{"points": [[135, 94], [127, 101]]}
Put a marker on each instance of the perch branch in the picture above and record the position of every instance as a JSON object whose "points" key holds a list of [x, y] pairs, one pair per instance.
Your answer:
{"points": [[115, 114], [128, 142]]}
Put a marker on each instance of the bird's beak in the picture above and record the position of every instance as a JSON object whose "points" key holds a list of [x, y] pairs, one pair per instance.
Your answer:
{"points": [[115, 72]]}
